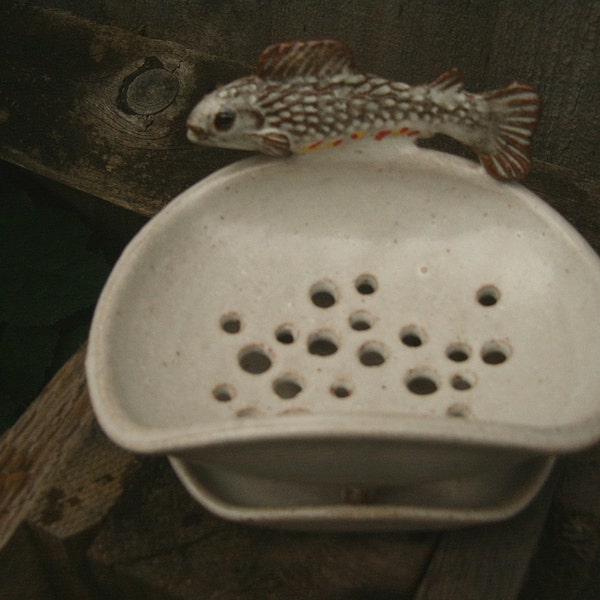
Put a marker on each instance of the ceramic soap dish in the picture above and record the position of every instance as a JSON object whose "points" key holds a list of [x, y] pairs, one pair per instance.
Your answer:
{"points": [[386, 339]]}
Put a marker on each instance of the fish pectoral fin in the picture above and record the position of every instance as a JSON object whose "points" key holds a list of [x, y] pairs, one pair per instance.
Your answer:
{"points": [[274, 143], [318, 58]]}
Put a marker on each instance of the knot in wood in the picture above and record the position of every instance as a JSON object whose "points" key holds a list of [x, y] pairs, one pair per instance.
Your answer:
{"points": [[149, 91]]}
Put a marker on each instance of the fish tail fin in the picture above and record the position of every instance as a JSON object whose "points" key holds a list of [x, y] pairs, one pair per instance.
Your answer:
{"points": [[514, 114]]}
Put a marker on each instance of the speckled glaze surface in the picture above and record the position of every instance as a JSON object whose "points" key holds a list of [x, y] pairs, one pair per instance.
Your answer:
{"points": [[388, 338]]}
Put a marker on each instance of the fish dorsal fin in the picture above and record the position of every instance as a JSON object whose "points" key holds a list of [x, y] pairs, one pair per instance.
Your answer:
{"points": [[450, 81], [319, 58]]}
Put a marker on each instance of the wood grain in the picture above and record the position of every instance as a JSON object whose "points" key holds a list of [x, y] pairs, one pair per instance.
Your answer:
{"points": [[187, 553], [486, 562], [41, 441], [566, 566], [78, 105], [67, 513]]}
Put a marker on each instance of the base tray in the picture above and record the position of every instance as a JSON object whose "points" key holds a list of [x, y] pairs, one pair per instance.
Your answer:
{"points": [[488, 496]]}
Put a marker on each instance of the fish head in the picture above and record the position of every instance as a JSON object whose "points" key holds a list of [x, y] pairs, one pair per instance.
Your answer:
{"points": [[230, 117]]}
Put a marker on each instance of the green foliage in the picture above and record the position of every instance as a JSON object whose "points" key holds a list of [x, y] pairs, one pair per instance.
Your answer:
{"points": [[50, 283]]}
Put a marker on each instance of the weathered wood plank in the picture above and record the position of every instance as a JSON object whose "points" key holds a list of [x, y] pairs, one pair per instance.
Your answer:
{"points": [[67, 514], [486, 562], [187, 553], [566, 564], [101, 109], [41, 441], [59, 477]]}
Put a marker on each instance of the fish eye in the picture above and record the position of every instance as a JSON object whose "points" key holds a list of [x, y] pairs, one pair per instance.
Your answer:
{"points": [[224, 119]]}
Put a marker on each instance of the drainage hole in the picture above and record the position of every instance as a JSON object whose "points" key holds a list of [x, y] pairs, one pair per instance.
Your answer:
{"points": [[255, 360], [495, 352], [422, 383], [365, 284], [412, 336], [458, 352], [372, 354], [323, 294], [223, 392], [231, 323], [462, 382], [285, 334], [361, 321], [488, 295], [322, 343], [287, 387], [341, 389]]}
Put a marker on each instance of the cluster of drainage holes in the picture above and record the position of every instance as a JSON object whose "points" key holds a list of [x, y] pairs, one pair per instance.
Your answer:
{"points": [[256, 360]]}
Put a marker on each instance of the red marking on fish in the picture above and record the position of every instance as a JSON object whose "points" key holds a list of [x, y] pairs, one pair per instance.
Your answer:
{"points": [[308, 94], [381, 134]]}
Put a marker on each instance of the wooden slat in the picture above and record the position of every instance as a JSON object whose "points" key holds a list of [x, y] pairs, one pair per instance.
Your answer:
{"points": [[59, 477], [101, 109], [65, 518], [486, 562], [41, 441], [567, 564], [187, 553]]}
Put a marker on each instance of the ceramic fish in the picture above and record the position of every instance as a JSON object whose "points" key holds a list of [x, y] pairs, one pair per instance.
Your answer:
{"points": [[308, 95]]}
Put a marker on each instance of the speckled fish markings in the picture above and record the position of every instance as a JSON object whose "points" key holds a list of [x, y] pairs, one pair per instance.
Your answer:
{"points": [[308, 96]]}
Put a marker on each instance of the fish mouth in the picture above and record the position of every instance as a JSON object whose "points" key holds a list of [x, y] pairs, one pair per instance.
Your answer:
{"points": [[195, 133]]}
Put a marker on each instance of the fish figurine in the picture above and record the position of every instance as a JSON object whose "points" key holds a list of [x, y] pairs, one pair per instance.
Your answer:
{"points": [[308, 95]]}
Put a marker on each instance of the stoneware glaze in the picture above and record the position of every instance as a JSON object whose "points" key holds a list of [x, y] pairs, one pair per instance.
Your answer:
{"points": [[388, 338]]}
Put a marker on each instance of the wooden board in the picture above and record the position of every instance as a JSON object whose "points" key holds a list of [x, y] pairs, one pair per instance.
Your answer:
{"points": [[567, 564], [41, 441], [59, 477], [188, 553], [101, 109], [486, 562]]}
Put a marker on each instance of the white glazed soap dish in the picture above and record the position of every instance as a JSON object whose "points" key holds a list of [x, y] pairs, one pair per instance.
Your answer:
{"points": [[386, 339]]}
